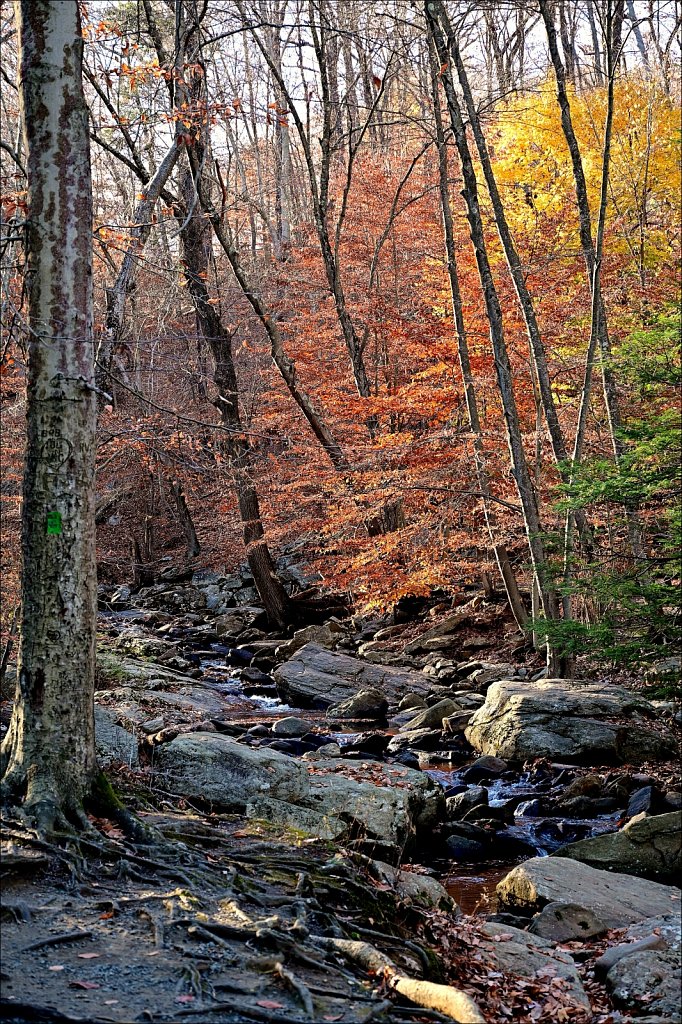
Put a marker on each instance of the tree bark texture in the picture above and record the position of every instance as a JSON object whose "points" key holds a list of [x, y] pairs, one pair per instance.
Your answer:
{"points": [[48, 755]]}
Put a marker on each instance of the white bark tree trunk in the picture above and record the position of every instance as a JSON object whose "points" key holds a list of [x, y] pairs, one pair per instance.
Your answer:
{"points": [[48, 756]]}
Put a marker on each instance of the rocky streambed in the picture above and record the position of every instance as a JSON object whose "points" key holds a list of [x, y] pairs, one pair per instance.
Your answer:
{"points": [[551, 808]]}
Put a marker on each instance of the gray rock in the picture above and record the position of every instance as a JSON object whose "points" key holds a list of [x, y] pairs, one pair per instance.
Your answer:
{"points": [[566, 720], [490, 672], [365, 704], [152, 725], [442, 631], [528, 809], [235, 622], [258, 731], [651, 978], [669, 926], [416, 739], [563, 922], [466, 849], [468, 699], [517, 952], [291, 726], [647, 846], [114, 670], [323, 753], [641, 800], [432, 717], [616, 898], [115, 745], [218, 600], [217, 768], [457, 722], [457, 806], [412, 887], [120, 597], [335, 806], [327, 634], [486, 767], [411, 700], [316, 676]]}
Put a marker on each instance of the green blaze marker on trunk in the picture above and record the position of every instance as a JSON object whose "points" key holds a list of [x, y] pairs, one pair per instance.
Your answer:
{"points": [[54, 522]]}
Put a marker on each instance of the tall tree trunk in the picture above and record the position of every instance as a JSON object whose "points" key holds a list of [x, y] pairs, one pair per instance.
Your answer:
{"points": [[193, 547], [471, 402], [537, 347], [196, 247], [285, 365], [634, 21], [319, 180], [596, 46], [503, 369], [48, 756], [350, 76], [593, 250]]}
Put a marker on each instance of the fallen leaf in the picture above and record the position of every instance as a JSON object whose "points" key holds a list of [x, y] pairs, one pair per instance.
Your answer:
{"points": [[184, 999], [83, 984], [56, 967], [88, 956], [270, 1004], [110, 1002]]}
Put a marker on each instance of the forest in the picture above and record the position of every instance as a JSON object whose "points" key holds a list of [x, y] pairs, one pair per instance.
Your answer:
{"points": [[340, 503]]}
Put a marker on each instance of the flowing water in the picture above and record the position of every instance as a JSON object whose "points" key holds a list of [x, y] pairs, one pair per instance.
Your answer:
{"points": [[472, 886]]}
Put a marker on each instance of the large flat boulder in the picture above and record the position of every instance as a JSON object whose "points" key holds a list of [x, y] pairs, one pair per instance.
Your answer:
{"points": [[388, 809], [316, 677], [388, 804], [518, 952], [213, 767], [566, 720], [649, 847], [618, 899]]}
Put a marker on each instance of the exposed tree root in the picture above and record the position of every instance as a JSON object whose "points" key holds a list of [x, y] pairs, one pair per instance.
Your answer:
{"points": [[450, 1001], [256, 1013], [57, 940], [394, 940], [296, 986], [10, 1009]]}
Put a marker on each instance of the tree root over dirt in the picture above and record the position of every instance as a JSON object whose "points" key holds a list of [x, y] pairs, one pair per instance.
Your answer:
{"points": [[258, 916], [450, 1001]]}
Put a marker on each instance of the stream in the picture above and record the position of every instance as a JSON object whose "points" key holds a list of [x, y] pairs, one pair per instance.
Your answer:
{"points": [[472, 885]]}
